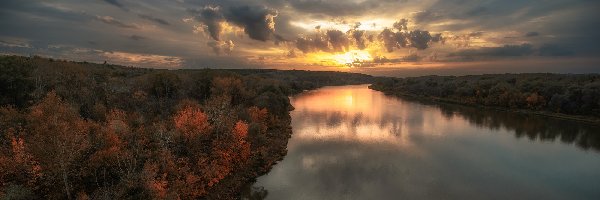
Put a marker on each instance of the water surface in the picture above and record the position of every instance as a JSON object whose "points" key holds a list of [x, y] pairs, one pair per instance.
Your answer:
{"points": [[350, 142]]}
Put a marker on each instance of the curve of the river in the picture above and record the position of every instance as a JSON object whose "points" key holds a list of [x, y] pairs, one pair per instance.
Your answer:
{"points": [[350, 142]]}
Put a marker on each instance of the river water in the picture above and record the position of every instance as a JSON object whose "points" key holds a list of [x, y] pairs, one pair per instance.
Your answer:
{"points": [[350, 142]]}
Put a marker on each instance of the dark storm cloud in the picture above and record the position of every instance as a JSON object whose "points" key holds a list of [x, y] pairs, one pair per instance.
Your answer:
{"points": [[112, 21], [403, 38], [258, 22], [420, 39], [212, 18], [154, 19], [338, 40], [392, 39], [314, 44], [359, 37]]}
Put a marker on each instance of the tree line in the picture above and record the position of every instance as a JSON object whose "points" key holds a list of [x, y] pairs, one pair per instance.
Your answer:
{"points": [[552, 94], [78, 130]]}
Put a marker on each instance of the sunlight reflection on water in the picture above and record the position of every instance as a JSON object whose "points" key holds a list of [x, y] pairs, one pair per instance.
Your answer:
{"points": [[350, 142]]}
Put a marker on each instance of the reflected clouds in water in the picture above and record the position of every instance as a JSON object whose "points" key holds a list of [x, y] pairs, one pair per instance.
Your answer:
{"points": [[351, 142]]}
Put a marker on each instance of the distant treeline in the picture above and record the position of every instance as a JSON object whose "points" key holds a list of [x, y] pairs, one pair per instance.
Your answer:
{"points": [[76, 130], [562, 95]]}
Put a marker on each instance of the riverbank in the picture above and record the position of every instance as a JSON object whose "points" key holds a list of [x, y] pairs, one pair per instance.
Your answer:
{"points": [[232, 186], [565, 96], [584, 119]]}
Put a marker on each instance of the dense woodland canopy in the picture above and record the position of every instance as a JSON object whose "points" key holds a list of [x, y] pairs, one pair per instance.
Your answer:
{"points": [[72, 130], [565, 95]]}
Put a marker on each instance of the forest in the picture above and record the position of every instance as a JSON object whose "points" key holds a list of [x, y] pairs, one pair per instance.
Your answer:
{"points": [[78, 130], [571, 96]]}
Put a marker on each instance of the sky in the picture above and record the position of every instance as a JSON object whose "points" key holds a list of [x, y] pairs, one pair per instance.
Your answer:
{"points": [[379, 37]]}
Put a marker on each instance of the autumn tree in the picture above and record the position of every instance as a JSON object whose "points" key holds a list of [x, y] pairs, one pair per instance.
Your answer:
{"points": [[191, 121], [58, 138]]}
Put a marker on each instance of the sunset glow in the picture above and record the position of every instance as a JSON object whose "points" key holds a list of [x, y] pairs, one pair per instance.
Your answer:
{"points": [[353, 58]]}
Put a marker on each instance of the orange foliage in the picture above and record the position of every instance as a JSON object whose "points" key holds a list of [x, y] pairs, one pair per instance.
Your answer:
{"points": [[155, 181], [192, 122], [58, 139], [240, 130], [258, 115]]}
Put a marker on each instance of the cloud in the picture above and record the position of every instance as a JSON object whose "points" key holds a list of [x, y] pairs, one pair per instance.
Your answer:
{"points": [[403, 38], [258, 22], [401, 25], [334, 7], [154, 19], [503, 51], [112, 21], [392, 39], [426, 16], [419, 39], [221, 47], [359, 38], [213, 19], [554, 50], [137, 37], [317, 43], [338, 40], [117, 4], [532, 34]]}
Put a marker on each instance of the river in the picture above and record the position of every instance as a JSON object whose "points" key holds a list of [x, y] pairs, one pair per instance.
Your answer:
{"points": [[351, 142]]}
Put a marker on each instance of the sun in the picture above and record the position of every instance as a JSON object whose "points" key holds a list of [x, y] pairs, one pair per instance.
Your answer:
{"points": [[353, 58]]}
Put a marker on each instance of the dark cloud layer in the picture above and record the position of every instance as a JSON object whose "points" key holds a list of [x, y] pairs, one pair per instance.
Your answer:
{"points": [[117, 4], [506, 50], [154, 19], [115, 22], [521, 50]]}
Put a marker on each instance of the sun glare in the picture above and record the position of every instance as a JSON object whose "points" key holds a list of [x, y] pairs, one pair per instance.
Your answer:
{"points": [[353, 58]]}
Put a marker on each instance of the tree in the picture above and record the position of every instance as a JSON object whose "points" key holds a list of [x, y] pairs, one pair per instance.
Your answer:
{"points": [[59, 138], [164, 85], [192, 122], [15, 83], [241, 146]]}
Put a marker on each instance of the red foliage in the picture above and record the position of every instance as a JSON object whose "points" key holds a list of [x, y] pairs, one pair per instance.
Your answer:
{"points": [[192, 122]]}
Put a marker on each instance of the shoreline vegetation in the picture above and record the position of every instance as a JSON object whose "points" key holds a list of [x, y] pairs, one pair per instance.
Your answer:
{"points": [[564, 96], [78, 130]]}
